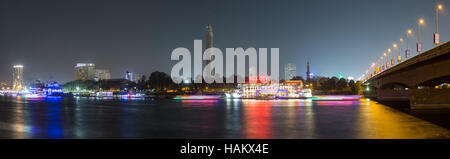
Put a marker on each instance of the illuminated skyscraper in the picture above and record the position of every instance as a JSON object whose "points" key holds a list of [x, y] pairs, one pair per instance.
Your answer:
{"points": [[85, 71], [129, 76], [17, 77], [290, 71], [102, 74]]}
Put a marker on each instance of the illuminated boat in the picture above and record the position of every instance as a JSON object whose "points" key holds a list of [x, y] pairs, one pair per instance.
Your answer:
{"points": [[53, 89], [306, 93], [337, 98], [198, 97]]}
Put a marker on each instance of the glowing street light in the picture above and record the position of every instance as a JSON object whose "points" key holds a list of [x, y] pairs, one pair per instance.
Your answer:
{"points": [[387, 59], [399, 57], [436, 35], [393, 57], [409, 32], [419, 45]]}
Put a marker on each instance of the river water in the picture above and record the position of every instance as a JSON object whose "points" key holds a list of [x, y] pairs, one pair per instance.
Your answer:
{"points": [[230, 119]]}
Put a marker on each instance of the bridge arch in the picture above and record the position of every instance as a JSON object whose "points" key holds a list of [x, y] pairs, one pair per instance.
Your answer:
{"points": [[394, 85], [435, 81]]}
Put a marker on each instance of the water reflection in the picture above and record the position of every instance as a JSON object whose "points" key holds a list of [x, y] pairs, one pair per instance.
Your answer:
{"points": [[231, 118], [258, 119], [378, 121]]}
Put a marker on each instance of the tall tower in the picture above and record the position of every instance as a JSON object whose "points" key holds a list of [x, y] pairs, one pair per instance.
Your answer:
{"points": [[209, 44], [209, 37], [17, 77], [308, 74]]}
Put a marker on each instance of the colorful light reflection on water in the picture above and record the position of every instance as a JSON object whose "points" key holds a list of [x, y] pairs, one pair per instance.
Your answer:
{"points": [[231, 118]]}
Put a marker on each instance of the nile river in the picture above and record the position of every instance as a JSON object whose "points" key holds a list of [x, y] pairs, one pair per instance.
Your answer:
{"points": [[230, 119]]}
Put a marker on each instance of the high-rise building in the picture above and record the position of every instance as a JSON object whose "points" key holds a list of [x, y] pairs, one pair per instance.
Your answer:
{"points": [[17, 77], [129, 76], [209, 37], [102, 74], [208, 43], [289, 71], [138, 77], [85, 71], [308, 73]]}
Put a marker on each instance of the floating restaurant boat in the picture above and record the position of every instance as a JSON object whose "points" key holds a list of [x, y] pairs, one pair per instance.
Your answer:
{"points": [[53, 89], [267, 90]]}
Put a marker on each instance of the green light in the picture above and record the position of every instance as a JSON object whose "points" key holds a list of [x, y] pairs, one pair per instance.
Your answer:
{"points": [[367, 89]]}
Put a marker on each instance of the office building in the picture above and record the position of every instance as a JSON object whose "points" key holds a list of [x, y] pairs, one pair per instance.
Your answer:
{"points": [[289, 71], [85, 71], [102, 74], [17, 77]]}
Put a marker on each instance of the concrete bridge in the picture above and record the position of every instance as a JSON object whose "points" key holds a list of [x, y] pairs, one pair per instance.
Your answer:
{"points": [[416, 80]]}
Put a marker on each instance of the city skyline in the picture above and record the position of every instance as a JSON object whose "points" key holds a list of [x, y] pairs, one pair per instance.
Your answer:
{"points": [[143, 43]]}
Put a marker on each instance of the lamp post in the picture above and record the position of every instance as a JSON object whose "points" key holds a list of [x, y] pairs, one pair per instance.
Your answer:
{"points": [[393, 56], [380, 64], [436, 34], [387, 58], [409, 32], [419, 45], [399, 57]]}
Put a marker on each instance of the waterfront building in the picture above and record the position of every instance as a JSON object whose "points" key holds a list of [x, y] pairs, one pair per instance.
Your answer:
{"points": [[3, 86], [102, 74], [138, 77], [129, 76], [17, 77], [290, 71], [85, 71]]}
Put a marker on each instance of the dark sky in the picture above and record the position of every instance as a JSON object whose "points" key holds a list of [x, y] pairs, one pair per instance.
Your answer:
{"points": [[339, 37]]}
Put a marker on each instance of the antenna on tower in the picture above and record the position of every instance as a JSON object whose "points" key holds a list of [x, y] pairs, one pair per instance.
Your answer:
{"points": [[209, 15]]}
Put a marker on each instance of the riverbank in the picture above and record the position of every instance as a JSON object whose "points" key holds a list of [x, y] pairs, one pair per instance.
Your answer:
{"points": [[439, 117]]}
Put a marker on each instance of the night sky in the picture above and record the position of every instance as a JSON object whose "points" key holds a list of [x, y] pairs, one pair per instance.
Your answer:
{"points": [[343, 37]]}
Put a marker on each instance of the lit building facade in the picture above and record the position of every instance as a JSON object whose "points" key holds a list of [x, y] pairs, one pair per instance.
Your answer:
{"points": [[290, 71], [85, 71], [129, 76], [287, 89], [17, 77], [102, 74], [137, 77]]}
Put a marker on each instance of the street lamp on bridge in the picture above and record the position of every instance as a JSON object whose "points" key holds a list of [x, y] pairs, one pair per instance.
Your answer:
{"points": [[419, 45], [409, 32], [436, 35], [393, 56], [399, 57], [387, 58]]}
